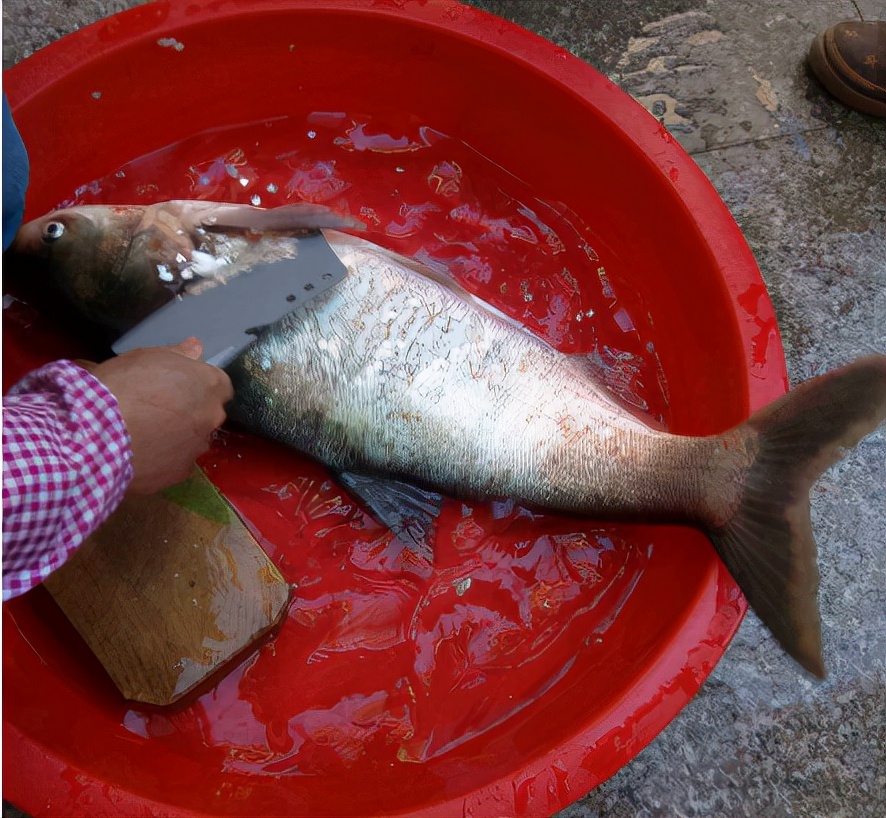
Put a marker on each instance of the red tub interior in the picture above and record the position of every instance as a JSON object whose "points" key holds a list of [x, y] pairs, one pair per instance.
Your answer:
{"points": [[538, 653]]}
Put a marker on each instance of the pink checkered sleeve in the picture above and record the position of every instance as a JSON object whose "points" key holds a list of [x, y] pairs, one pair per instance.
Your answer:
{"points": [[66, 467]]}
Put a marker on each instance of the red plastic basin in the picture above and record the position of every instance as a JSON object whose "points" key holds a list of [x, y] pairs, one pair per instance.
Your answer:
{"points": [[120, 89]]}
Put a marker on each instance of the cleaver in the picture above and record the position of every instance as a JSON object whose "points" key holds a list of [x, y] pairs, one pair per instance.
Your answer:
{"points": [[227, 316], [174, 589]]}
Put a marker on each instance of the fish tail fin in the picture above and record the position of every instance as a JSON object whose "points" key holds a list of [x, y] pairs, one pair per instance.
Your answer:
{"points": [[767, 542]]}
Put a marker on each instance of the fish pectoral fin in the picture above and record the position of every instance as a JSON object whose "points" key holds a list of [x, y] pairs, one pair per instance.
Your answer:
{"points": [[408, 510], [298, 218]]}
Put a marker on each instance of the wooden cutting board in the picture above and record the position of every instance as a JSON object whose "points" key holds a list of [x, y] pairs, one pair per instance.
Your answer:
{"points": [[169, 589]]}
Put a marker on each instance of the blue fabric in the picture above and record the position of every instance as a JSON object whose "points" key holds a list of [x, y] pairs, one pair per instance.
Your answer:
{"points": [[15, 177]]}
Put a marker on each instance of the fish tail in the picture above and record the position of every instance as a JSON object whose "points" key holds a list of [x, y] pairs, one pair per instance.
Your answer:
{"points": [[767, 542]]}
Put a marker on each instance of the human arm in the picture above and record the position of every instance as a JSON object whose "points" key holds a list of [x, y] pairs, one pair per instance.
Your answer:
{"points": [[76, 439]]}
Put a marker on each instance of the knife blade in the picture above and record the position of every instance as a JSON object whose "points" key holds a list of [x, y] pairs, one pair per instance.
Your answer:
{"points": [[225, 317]]}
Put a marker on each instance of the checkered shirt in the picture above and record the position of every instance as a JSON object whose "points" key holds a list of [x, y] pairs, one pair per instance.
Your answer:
{"points": [[66, 467]]}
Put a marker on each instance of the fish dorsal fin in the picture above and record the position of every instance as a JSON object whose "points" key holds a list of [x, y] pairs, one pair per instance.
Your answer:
{"points": [[291, 219], [408, 510]]}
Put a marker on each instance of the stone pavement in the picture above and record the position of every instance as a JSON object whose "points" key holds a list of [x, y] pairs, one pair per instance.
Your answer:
{"points": [[806, 180]]}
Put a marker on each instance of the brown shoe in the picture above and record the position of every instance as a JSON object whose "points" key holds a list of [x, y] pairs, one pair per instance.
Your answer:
{"points": [[850, 61]]}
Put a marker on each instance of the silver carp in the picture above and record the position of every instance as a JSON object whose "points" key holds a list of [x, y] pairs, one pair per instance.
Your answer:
{"points": [[399, 372]]}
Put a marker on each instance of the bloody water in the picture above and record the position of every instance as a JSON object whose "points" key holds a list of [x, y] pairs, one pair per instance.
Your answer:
{"points": [[385, 658]]}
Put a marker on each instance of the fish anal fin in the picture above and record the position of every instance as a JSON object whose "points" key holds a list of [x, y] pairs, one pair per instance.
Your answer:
{"points": [[409, 511]]}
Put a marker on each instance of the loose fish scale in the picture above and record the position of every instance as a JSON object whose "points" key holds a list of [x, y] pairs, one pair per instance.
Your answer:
{"points": [[396, 372]]}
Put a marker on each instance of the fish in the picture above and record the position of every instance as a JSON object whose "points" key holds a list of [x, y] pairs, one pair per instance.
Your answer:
{"points": [[400, 374]]}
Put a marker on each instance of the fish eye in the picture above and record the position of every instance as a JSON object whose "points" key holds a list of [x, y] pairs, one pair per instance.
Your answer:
{"points": [[53, 231]]}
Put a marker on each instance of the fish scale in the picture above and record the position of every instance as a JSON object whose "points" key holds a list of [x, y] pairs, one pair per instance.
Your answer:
{"points": [[427, 384]]}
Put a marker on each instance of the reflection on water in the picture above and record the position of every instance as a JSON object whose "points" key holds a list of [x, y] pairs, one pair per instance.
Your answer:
{"points": [[386, 657]]}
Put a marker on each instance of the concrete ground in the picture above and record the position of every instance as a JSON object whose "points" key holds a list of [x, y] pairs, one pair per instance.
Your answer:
{"points": [[806, 180]]}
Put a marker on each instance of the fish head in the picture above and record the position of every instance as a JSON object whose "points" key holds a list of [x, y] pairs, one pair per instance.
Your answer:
{"points": [[86, 254], [116, 264], [61, 238]]}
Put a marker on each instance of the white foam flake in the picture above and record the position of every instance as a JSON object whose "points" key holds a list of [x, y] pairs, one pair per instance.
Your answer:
{"points": [[205, 264], [171, 42]]}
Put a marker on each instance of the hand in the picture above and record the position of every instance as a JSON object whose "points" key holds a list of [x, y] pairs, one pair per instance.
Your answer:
{"points": [[171, 404]]}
